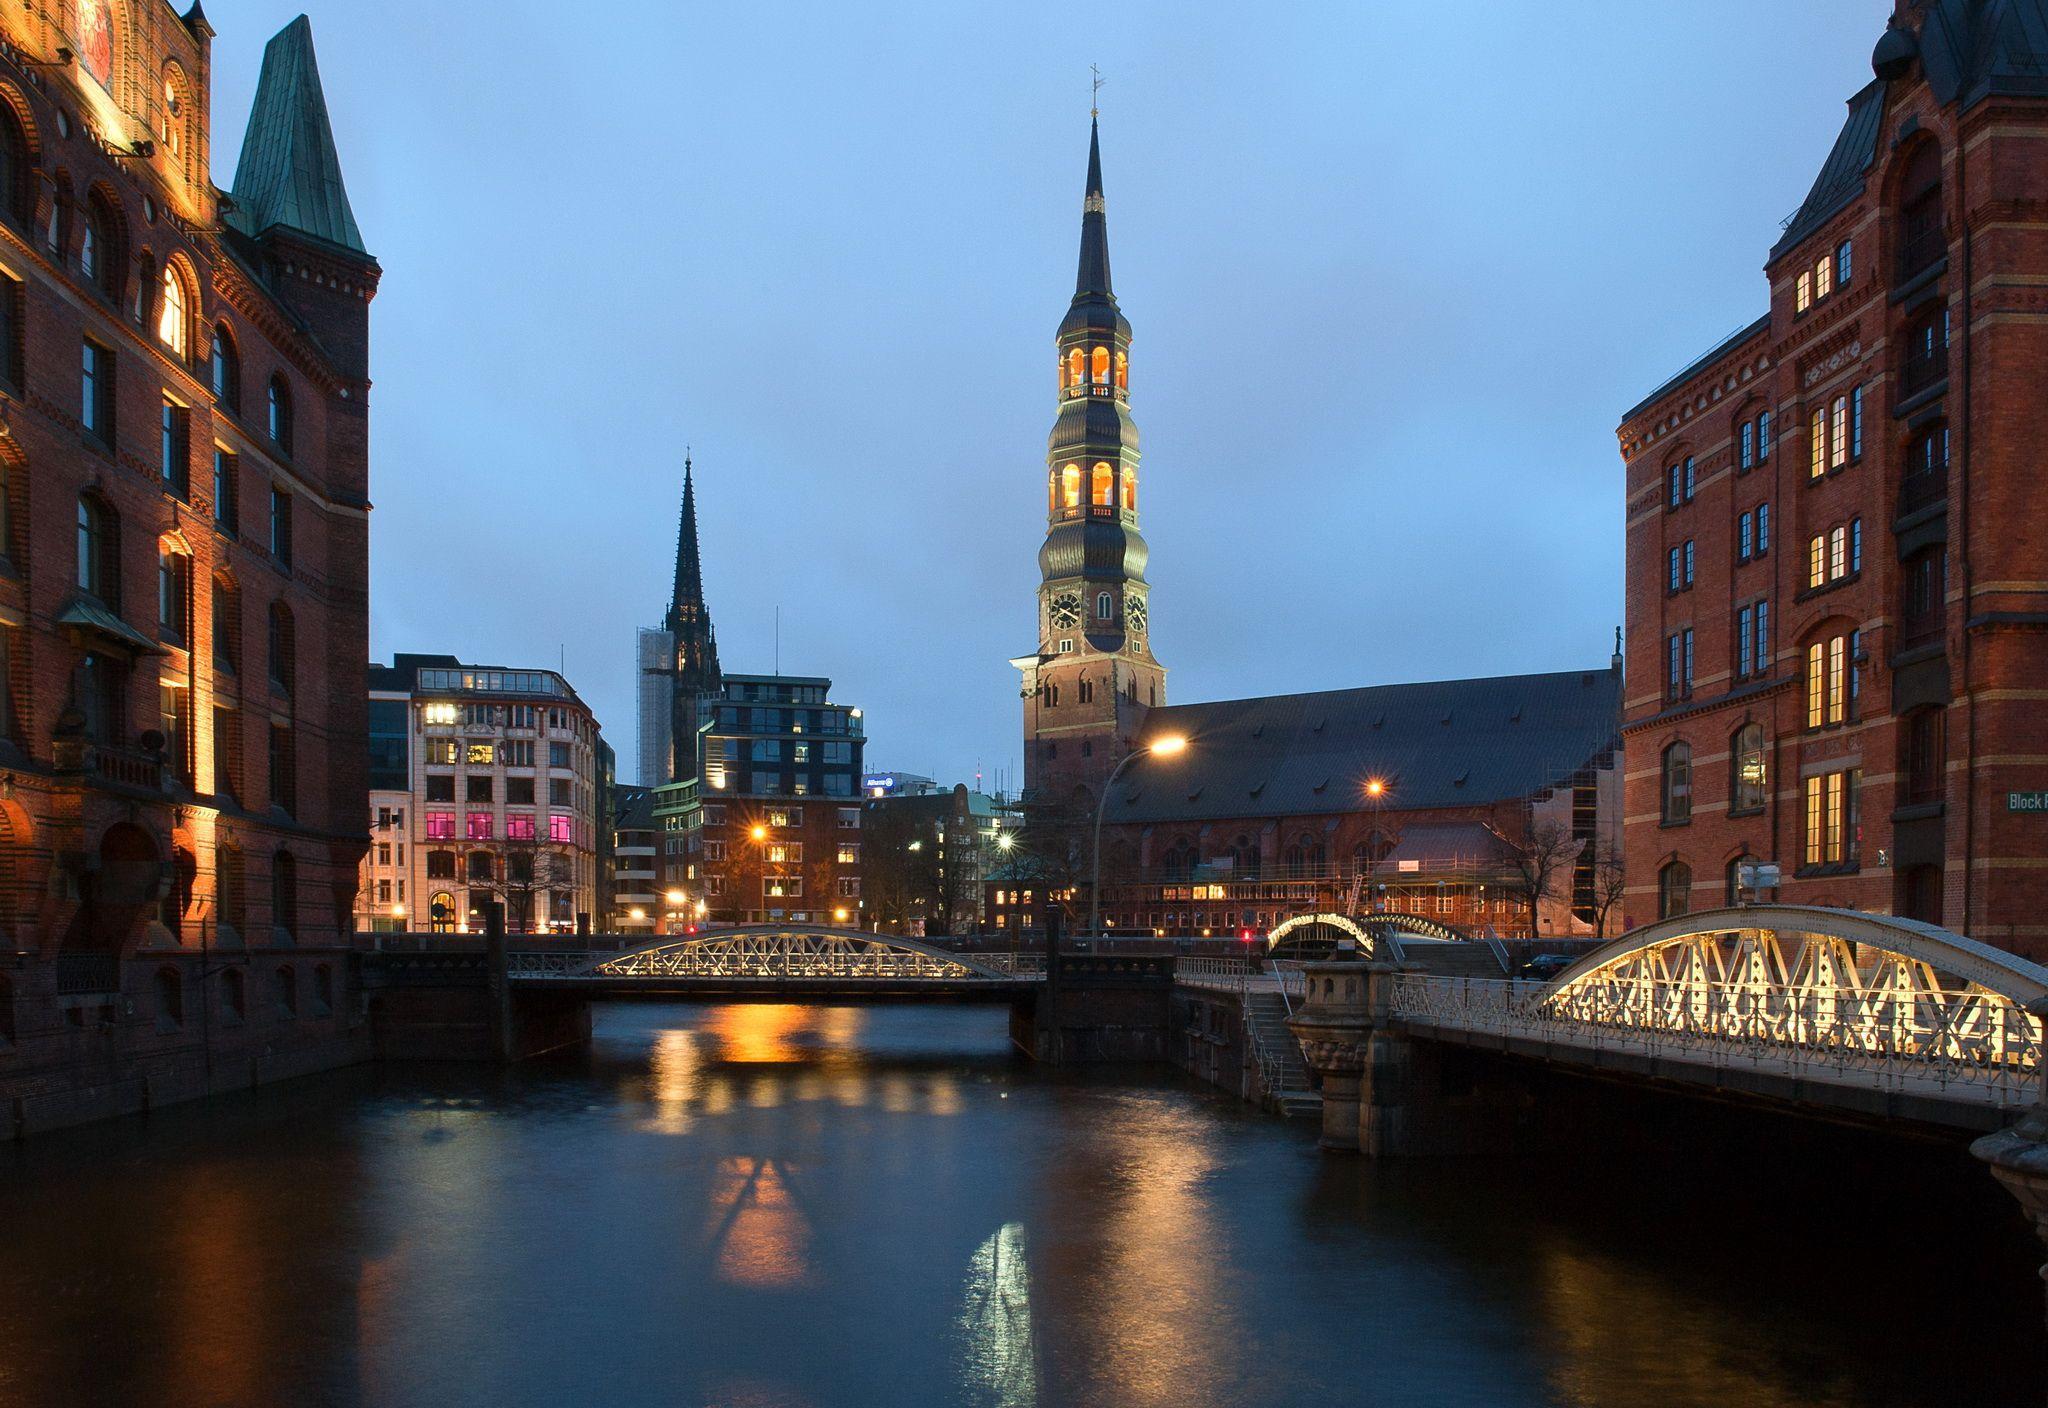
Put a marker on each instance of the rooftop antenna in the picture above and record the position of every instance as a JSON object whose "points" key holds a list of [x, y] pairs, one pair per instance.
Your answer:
{"points": [[1095, 92]]}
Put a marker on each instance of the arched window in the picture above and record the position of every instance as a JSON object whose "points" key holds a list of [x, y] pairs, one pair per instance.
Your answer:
{"points": [[1086, 693], [1674, 889], [226, 366], [170, 1000], [141, 306], [1832, 678], [1130, 482], [286, 983], [234, 993], [1923, 353], [1070, 486], [1731, 881], [99, 550], [1105, 606], [99, 246], [170, 129], [1102, 486], [1052, 492], [280, 414], [1921, 237], [1677, 788], [1123, 372], [284, 895], [14, 167], [441, 912], [1180, 859], [91, 243], [1244, 856], [173, 314], [1076, 368], [1100, 366], [283, 648], [323, 990], [1924, 745], [1748, 772], [1305, 856], [173, 595]]}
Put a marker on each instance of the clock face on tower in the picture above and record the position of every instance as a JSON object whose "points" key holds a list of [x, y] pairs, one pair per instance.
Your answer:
{"points": [[1065, 611], [1134, 612]]}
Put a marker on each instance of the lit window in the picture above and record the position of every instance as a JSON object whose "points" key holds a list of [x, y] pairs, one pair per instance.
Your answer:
{"points": [[1804, 298], [1824, 277], [479, 826], [561, 827], [1838, 554], [1838, 445], [1819, 439], [1816, 560], [1099, 367], [1102, 488], [170, 326], [1070, 486]]}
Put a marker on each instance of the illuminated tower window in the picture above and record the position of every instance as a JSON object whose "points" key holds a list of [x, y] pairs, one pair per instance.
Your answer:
{"points": [[1074, 367], [1102, 492], [1123, 372], [1070, 482], [1102, 366]]}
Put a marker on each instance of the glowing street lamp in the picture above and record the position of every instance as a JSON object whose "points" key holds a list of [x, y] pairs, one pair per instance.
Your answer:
{"points": [[1164, 746], [759, 833]]}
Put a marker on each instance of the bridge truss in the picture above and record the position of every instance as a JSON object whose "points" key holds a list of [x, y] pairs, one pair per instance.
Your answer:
{"points": [[1810, 994], [770, 954]]}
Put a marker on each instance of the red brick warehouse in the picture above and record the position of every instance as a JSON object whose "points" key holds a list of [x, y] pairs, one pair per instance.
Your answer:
{"points": [[184, 507], [1837, 559]]}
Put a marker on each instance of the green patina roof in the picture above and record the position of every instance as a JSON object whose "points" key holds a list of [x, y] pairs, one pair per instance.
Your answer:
{"points": [[289, 173]]}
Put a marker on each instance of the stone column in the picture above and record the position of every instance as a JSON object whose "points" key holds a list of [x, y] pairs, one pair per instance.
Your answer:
{"points": [[1332, 1026]]}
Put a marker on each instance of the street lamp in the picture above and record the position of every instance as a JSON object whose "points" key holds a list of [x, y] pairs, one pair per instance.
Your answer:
{"points": [[1165, 746], [676, 901], [1375, 796]]}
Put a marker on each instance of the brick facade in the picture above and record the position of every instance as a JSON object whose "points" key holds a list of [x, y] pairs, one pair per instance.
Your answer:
{"points": [[1898, 700], [182, 757]]}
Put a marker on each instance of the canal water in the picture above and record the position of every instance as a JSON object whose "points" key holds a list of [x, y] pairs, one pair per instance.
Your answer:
{"points": [[763, 1206]]}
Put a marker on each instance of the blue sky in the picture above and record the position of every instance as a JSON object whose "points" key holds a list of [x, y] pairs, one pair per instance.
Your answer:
{"points": [[1394, 273]]}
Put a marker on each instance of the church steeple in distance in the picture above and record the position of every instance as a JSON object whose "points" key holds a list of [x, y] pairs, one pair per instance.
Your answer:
{"points": [[688, 623], [1087, 687]]}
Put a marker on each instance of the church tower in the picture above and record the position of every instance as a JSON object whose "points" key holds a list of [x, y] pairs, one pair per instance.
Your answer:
{"points": [[1092, 678], [697, 681]]}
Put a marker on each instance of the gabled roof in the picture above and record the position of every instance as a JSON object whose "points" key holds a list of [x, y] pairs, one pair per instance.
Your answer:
{"points": [[1450, 743], [289, 174]]}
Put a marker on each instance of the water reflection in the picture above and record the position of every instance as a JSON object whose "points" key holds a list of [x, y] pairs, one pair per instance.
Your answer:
{"points": [[759, 1231], [998, 1357], [784, 1206]]}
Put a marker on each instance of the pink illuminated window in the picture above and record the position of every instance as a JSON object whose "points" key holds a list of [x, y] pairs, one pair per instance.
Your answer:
{"points": [[479, 826], [561, 827], [440, 826], [519, 828]]}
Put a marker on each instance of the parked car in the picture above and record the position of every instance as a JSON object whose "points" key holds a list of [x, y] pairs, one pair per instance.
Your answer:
{"points": [[1545, 966]]}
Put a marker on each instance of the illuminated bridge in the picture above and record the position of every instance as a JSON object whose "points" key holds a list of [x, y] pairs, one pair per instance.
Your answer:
{"points": [[779, 962], [1856, 1013]]}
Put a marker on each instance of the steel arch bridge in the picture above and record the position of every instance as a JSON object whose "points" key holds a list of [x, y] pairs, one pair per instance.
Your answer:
{"points": [[1371, 932], [771, 960], [1867, 1011]]}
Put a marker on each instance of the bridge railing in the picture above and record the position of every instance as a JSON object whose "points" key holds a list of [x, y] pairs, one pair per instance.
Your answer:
{"points": [[1954, 1044], [1239, 975]]}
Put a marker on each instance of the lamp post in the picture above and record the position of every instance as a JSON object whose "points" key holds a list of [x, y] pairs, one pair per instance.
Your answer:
{"points": [[677, 901], [1165, 746], [1376, 797]]}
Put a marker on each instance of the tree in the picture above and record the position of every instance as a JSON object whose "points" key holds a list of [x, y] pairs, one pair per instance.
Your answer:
{"points": [[1537, 855], [522, 868], [1610, 884]]}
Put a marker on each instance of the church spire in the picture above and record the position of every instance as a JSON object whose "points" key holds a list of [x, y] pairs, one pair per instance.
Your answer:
{"points": [[1092, 279], [689, 570]]}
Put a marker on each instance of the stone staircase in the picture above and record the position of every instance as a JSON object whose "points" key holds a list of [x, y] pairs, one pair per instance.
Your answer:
{"points": [[1279, 1055]]}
